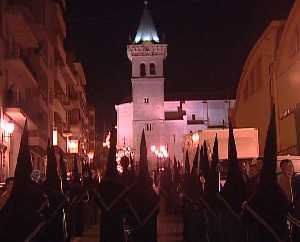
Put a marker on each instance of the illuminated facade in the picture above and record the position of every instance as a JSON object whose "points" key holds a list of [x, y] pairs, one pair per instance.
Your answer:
{"points": [[39, 82], [165, 121], [272, 69]]}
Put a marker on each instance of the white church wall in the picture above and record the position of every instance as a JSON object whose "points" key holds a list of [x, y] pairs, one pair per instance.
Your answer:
{"points": [[154, 136], [197, 108], [173, 137], [124, 124], [153, 90], [171, 106]]}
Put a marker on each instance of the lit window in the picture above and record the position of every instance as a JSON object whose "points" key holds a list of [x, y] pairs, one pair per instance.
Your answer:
{"points": [[146, 100]]}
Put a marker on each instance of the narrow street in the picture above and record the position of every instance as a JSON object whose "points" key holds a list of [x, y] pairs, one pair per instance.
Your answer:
{"points": [[169, 229]]}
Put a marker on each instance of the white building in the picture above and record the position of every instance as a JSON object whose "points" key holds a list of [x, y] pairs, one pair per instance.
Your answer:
{"points": [[165, 122]]}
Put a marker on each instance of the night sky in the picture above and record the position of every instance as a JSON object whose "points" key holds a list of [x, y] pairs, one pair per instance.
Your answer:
{"points": [[208, 40]]}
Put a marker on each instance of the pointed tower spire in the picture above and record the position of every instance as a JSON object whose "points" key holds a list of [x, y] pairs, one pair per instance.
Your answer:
{"points": [[146, 30]]}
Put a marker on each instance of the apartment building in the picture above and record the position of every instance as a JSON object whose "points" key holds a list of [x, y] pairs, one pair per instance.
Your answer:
{"points": [[40, 83]]}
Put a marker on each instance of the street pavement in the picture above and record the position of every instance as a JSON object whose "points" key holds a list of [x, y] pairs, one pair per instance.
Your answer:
{"points": [[169, 229]]}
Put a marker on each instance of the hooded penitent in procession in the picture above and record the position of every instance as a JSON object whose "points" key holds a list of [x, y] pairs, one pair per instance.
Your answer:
{"points": [[110, 197], [144, 202], [269, 201], [26, 202], [55, 230]]}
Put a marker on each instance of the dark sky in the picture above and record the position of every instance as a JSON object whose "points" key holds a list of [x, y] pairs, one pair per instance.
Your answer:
{"points": [[208, 43]]}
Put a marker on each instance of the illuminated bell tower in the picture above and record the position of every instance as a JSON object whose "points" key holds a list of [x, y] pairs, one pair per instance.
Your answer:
{"points": [[147, 56]]}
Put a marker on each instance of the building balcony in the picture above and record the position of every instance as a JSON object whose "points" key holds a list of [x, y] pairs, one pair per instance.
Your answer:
{"points": [[59, 108], [40, 62], [61, 80], [38, 140], [19, 19], [69, 75], [60, 52], [20, 68], [60, 18]]}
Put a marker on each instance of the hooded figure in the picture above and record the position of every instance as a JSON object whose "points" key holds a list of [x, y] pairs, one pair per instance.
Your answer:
{"points": [[110, 197], [212, 182], [63, 171], [204, 162], [55, 230], [75, 199], [234, 190], [26, 202], [187, 164], [195, 162], [144, 202], [269, 201]]}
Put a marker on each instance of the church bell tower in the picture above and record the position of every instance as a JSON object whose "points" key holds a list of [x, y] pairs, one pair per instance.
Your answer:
{"points": [[147, 56]]}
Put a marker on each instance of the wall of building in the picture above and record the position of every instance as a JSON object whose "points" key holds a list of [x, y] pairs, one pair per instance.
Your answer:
{"points": [[124, 124], [256, 86]]}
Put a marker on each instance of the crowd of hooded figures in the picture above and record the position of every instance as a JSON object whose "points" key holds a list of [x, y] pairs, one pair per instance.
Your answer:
{"points": [[262, 206]]}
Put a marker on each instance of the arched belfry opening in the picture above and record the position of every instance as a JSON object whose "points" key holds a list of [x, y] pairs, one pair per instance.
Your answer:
{"points": [[152, 69], [142, 70]]}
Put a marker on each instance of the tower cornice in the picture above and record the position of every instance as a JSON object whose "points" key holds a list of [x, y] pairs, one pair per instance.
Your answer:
{"points": [[147, 49]]}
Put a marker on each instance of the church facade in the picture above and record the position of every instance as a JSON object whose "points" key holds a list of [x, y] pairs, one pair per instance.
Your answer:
{"points": [[165, 122]]}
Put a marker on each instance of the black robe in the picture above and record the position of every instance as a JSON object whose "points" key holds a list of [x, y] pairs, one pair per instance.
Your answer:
{"points": [[22, 214], [144, 204], [112, 204]]}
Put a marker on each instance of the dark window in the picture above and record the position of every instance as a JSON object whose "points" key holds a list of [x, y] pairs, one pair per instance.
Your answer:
{"points": [[193, 117], [148, 127], [143, 70], [146, 100], [152, 69]]}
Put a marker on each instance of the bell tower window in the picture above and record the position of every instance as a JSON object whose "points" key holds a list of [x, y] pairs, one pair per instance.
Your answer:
{"points": [[143, 70], [152, 69]]}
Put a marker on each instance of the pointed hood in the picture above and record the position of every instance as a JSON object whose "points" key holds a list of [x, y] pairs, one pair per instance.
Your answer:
{"points": [[63, 169], [131, 161], [111, 167], [213, 176], [234, 172], [75, 172], [52, 178], [146, 30], [234, 190], [268, 172], [143, 169], [204, 162], [215, 155], [187, 163], [195, 162], [23, 169]]}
